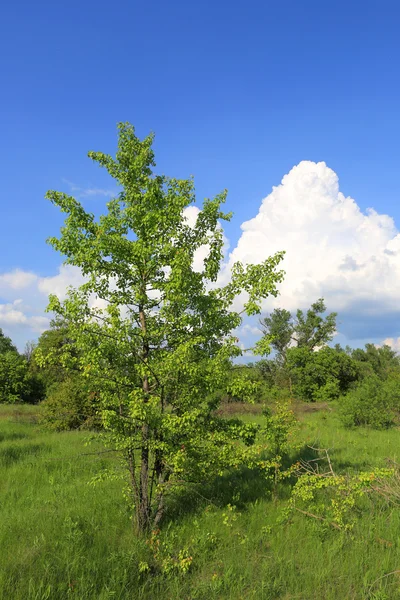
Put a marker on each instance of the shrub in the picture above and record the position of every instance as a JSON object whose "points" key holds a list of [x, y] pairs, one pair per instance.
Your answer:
{"points": [[322, 375], [70, 404], [16, 383], [374, 402]]}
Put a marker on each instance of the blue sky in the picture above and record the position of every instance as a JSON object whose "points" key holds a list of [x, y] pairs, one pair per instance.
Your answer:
{"points": [[237, 94]]}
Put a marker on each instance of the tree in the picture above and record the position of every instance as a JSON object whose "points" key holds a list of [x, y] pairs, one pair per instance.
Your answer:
{"points": [[6, 344], [308, 330], [160, 346], [321, 375], [280, 326], [71, 401], [15, 383], [382, 362]]}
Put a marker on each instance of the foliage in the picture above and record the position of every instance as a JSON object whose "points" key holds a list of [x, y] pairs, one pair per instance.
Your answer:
{"points": [[307, 330], [17, 384], [160, 348], [382, 361], [6, 344], [70, 404], [332, 498], [321, 375], [244, 384], [374, 402]]}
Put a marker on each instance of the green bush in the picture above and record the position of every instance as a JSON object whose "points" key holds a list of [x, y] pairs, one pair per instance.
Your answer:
{"points": [[321, 376], [373, 402], [70, 404], [16, 383]]}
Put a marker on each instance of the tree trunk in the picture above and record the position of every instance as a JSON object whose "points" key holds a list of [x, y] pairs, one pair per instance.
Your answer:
{"points": [[143, 510]]}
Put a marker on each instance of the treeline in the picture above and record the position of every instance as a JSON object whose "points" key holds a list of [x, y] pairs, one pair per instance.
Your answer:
{"points": [[48, 372], [364, 382]]}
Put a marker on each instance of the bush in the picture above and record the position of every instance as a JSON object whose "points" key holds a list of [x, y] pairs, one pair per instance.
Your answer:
{"points": [[16, 383], [244, 384], [322, 375], [374, 402], [71, 404]]}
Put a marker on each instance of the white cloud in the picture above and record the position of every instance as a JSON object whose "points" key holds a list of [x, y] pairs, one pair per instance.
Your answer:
{"points": [[67, 275], [17, 280], [394, 343], [333, 250], [248, 329], [85, 192], [11, 315]]}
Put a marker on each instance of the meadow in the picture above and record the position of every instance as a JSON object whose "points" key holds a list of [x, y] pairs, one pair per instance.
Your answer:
{"points": [[63, 537]]}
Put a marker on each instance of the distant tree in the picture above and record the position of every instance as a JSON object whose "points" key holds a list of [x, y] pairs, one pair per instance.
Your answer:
{"points": [[311, 330], [321, 375], [71, 401], [280, 326], [381, 361], [55, 355], [29, 350], [6, 344], [159, 349], [306, 330], [15, 382]]}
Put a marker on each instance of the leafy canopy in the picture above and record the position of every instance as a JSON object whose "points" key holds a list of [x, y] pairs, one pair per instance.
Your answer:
{"points": [[307, 330], [153, 333]]}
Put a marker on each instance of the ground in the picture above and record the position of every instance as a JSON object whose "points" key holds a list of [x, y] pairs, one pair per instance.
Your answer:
{"points": [[63, 537]]}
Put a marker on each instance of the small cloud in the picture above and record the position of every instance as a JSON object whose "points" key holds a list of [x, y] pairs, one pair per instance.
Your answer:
{"points": [[247, 330], [11, 315], [86, 192], [17, 280], [58, 284], [349, 264], [394, 343]]}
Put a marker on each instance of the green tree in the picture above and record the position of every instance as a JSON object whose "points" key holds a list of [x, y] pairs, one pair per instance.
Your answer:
{"points": [[6, 344], [15, 382], [160, 347], [321, 375], [307, 330], [382, 362], [71, 400]]}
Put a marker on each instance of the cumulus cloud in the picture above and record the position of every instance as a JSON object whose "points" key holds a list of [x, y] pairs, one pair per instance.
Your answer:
{"points": [[12, 314], [333, 249], [17, 280], [394, 343], [67, 276]]}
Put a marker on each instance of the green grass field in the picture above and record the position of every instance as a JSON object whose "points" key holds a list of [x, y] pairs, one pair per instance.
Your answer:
{"points": [[61, 537]]}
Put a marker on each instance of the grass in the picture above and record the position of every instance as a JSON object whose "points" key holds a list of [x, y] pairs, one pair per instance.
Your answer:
{"points": [[61, 537]]}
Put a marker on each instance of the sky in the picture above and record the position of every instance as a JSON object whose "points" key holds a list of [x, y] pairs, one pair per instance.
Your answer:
{"points": [[293, 107]]}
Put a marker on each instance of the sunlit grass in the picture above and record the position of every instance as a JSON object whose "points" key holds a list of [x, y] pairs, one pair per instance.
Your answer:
{"points": [[61, 537]]}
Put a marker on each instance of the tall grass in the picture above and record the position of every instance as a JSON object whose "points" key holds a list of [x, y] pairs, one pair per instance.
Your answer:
{"points": [[61, 537]]}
